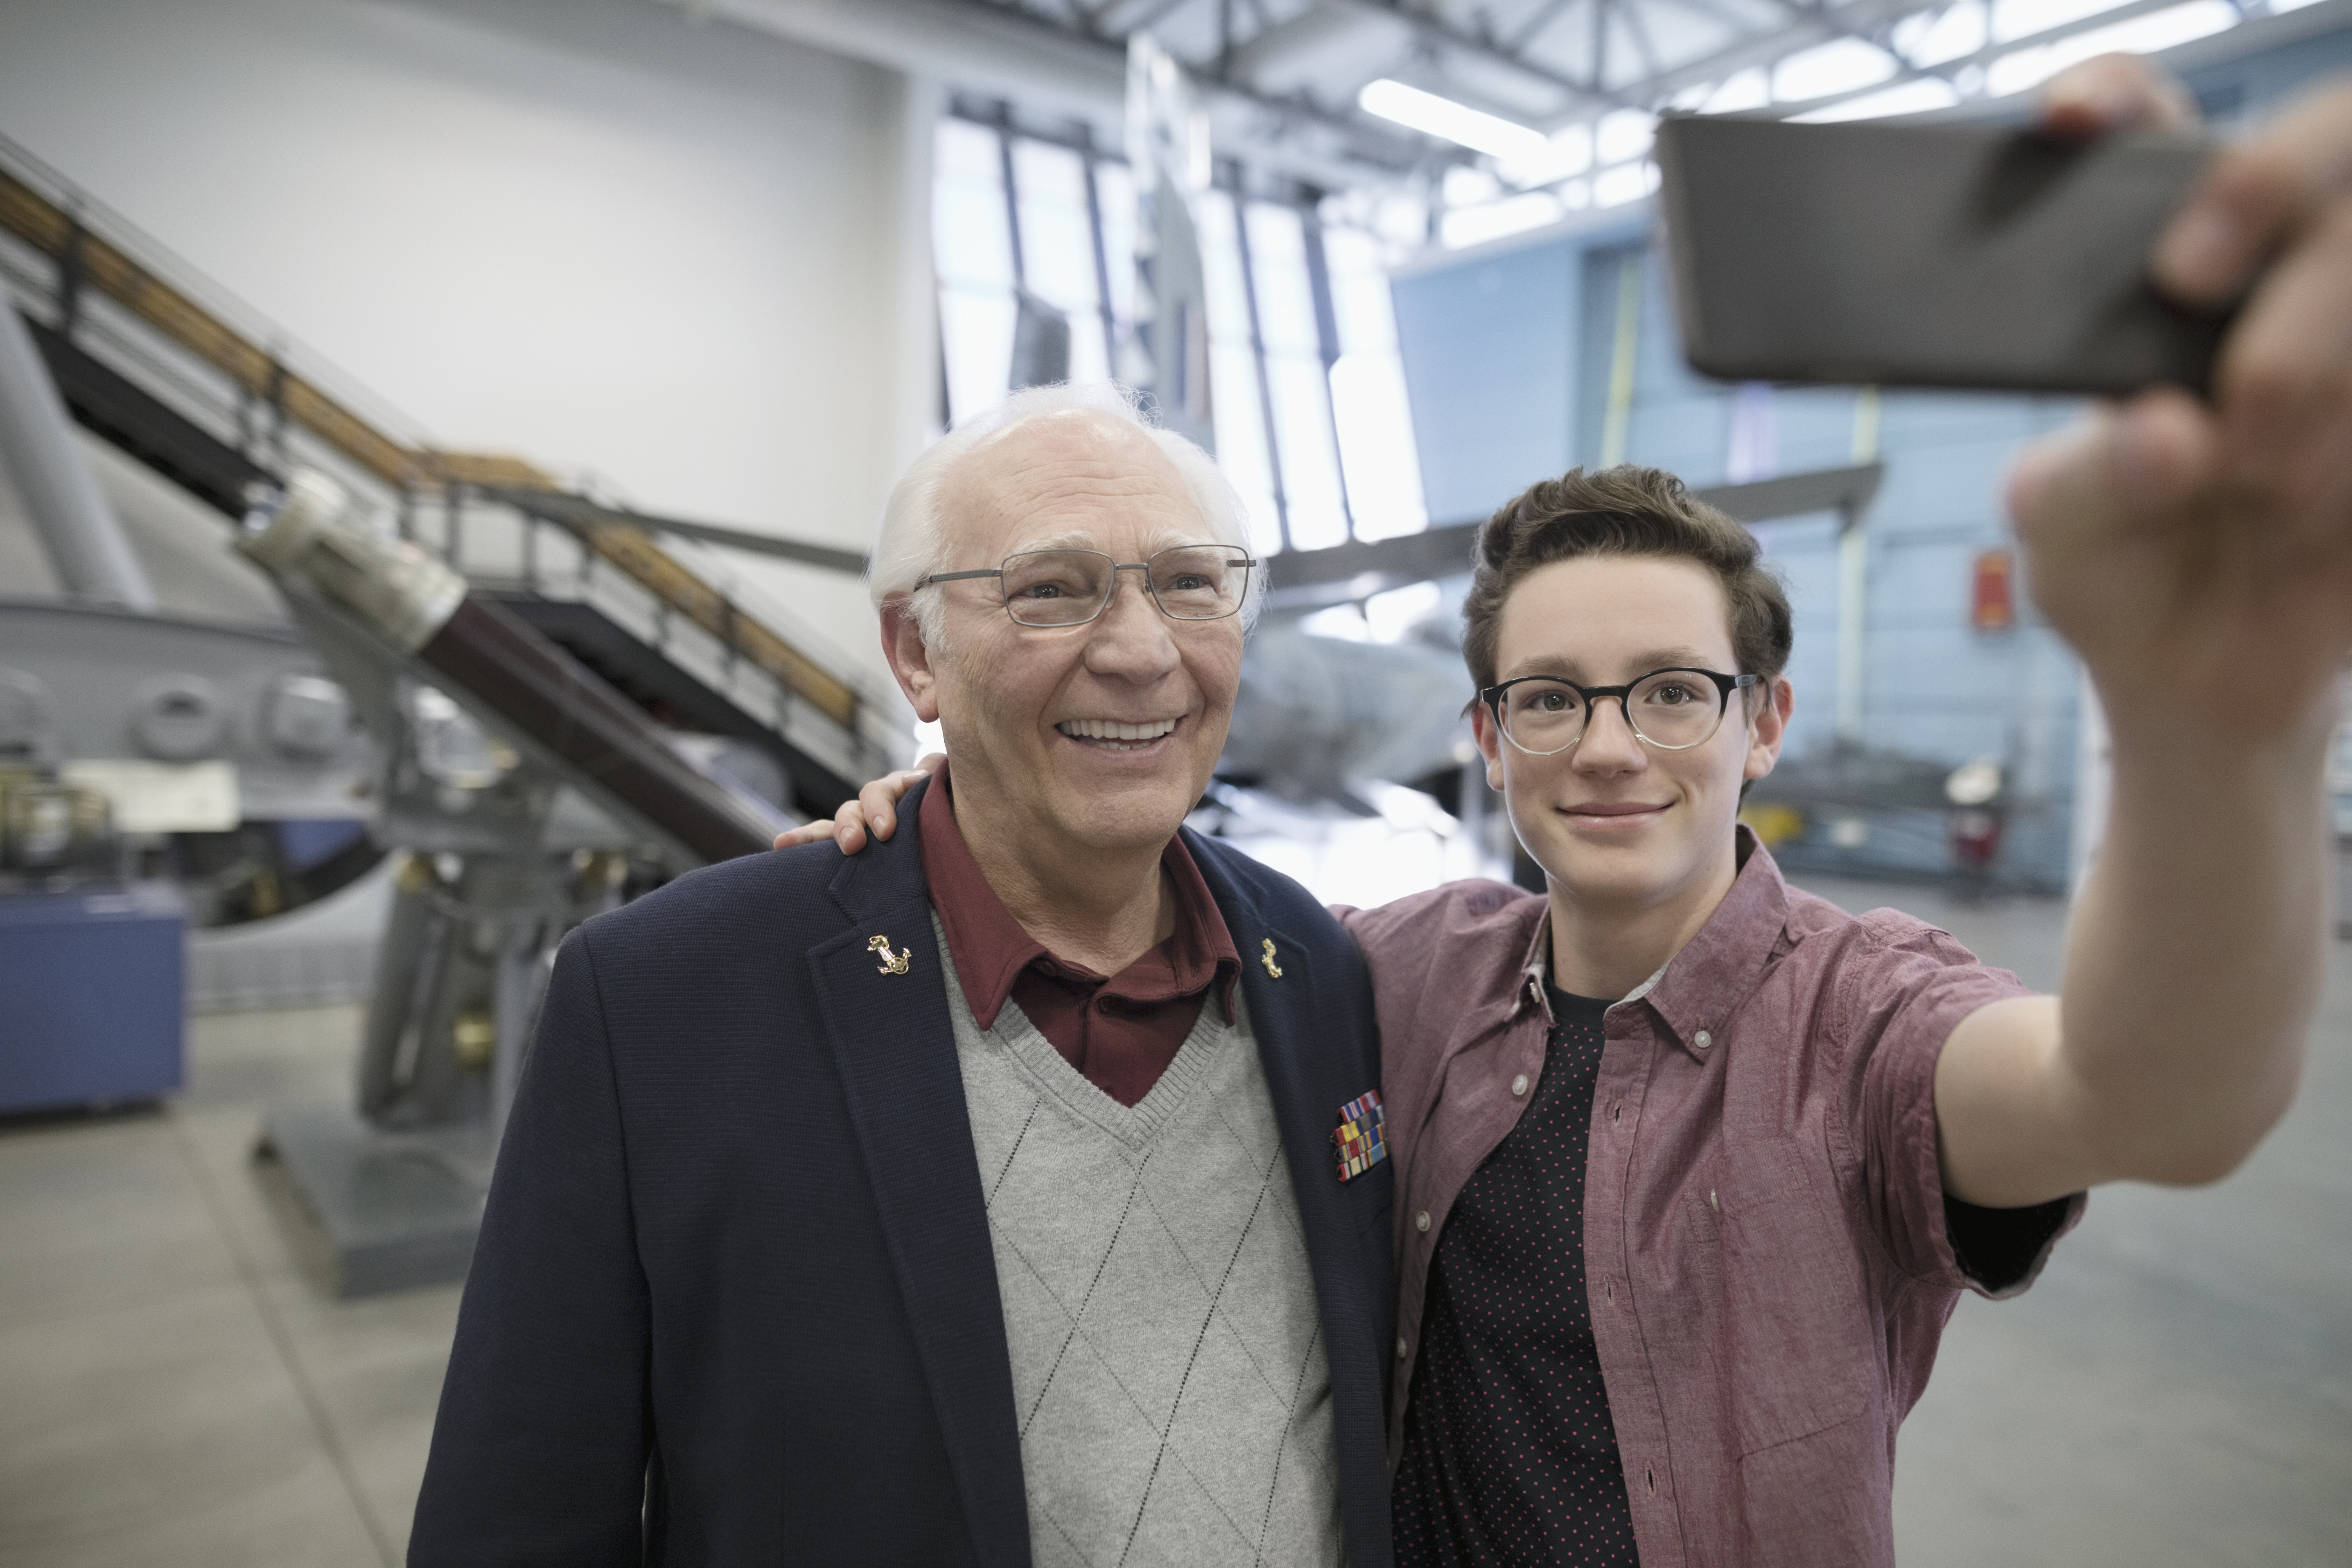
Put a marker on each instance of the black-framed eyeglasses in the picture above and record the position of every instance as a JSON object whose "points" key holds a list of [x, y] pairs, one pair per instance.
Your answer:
{"points": [[1071, 587], [1672, 709]]}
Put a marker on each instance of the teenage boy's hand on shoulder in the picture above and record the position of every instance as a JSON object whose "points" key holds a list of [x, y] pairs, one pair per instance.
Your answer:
{"points": [[872, 810], [2199, 556]]}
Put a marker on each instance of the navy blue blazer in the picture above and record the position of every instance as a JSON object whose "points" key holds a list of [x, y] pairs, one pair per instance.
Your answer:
{"points": [[735, 1301]]}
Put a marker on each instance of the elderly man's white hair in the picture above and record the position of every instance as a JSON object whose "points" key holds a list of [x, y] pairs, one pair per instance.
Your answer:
{"points": [[906, 548]]}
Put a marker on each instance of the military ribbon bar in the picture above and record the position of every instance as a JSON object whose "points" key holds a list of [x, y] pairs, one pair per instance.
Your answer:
{"points": [[1361, 1137]]}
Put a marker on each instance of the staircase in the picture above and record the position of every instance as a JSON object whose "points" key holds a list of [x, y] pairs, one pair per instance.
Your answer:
{"points": [[190, 383]]}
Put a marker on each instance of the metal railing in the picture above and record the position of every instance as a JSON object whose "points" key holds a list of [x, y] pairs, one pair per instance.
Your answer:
{"points": [[109, 293]]}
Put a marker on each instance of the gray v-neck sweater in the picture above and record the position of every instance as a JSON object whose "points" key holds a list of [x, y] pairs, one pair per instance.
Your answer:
{"points": [[1168, 1362]]}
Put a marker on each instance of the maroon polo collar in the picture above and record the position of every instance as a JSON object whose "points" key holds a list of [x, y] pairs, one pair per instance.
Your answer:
{"points": [[990, 949]]}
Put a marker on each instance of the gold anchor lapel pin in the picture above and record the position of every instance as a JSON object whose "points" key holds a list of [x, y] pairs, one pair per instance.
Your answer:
{"points": [[1272, 968], [892, 962]]}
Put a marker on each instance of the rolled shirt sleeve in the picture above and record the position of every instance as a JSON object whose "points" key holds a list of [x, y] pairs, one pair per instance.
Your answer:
{"points": [[1900, 994]]}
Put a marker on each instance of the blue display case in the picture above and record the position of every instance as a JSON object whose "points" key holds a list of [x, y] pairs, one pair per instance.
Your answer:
{"points": [[92, 996]]}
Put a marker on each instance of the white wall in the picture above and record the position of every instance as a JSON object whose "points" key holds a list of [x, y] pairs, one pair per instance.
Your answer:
{"points": [[593, 232]]}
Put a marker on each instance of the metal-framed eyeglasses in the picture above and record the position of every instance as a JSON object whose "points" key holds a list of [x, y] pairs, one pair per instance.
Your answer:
{"points": [[1670, 710], [1071, 587]]}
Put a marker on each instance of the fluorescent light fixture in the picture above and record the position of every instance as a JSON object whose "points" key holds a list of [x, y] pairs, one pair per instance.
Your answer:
{"points": [[1466, 185], [1515, 214], [1436, 116], [1624, 134], [1567, 151], [1625, 183]]}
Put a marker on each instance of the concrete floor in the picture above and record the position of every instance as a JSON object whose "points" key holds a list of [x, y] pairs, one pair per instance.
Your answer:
{"points": [[2177, 1388], [173, 1386], [175, 1389]]}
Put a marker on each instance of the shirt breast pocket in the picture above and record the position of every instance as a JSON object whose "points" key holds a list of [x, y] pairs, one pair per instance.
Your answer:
{"points": [[1797, 1331]]}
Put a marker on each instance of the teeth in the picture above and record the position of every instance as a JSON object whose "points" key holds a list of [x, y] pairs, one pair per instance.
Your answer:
{"points": [[1112, 730]]}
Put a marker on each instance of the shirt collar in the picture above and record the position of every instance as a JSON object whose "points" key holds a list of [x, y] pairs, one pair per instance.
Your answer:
{"points": [[1698, 987], [1717, 969], [989, 947]]}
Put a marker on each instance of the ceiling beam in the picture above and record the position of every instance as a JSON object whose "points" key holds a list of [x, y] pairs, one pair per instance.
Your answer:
{"points": [[1438, 33], [1305, 579]]}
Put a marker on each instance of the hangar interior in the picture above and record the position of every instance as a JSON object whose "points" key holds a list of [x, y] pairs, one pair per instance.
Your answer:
{"points": [[349, 338]]}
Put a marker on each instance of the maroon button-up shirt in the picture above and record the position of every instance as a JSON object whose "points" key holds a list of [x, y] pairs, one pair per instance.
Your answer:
{"points": [[1765, 1249], [1122, 1030]]}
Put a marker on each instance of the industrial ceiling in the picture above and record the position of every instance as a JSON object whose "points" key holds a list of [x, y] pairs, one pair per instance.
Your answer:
{"points": [[1285, 81]]}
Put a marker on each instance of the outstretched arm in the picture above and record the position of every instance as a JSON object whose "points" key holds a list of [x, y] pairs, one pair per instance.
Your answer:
{"points": [[2199, 557]]}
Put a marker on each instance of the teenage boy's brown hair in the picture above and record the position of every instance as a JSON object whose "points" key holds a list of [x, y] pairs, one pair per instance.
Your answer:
{"points": [[1624, 511]]}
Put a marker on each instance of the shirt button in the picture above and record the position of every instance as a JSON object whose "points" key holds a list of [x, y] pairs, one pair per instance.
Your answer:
{"points": [[1421, 1220], [1702, 1040], [1519, 1085], [1403, 1350]]}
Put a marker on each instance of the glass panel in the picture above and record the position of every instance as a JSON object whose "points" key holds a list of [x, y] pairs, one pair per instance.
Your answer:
{"points": [[1370, 410], [1048, 172], [963, 151], [1057, 247], [1220, 268], [1359, 292], [1059, 250], [1310, 467], [1294, 368], [1241, 439], [971, 245], [1233, 370], [1115, 189], [1376, 444], [976, 331], [1286, 301]]}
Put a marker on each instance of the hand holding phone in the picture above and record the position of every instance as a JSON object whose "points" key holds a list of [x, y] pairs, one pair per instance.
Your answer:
{"points": [[1929, 254]]}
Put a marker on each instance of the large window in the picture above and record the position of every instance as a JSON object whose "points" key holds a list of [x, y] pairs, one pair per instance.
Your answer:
{"points": [[973, 254], [1312, 426]]}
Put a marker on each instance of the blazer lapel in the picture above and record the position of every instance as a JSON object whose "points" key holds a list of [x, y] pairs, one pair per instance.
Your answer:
{"points": [[1282, 1016], [894, 1048]]}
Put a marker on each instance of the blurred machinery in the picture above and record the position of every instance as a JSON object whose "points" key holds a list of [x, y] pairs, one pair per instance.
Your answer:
{"points": [[507, 844], [92, 978], [1318, 718], [530, 697]]}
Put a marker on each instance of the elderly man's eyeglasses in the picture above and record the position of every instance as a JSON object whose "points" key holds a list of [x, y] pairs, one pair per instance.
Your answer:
{"points": [[1071, 587], [1672, 709]]}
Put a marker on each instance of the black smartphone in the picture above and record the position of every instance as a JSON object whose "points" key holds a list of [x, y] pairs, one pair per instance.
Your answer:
{"points": [[1950, 256]]}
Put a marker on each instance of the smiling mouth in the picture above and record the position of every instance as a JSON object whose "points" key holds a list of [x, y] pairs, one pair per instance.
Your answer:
{"points": [[1110, 735], [1613, 809]]}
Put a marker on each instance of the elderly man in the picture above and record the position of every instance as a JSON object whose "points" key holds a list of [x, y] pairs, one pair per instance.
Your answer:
{"points": [[1011, 1191]]}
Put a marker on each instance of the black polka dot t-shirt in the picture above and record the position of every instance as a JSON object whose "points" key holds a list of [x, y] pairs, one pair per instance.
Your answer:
{"points": [[1509, 1456]]}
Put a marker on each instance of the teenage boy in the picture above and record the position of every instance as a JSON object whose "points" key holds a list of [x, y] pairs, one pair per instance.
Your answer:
{"points": [[1692, 1166]]}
